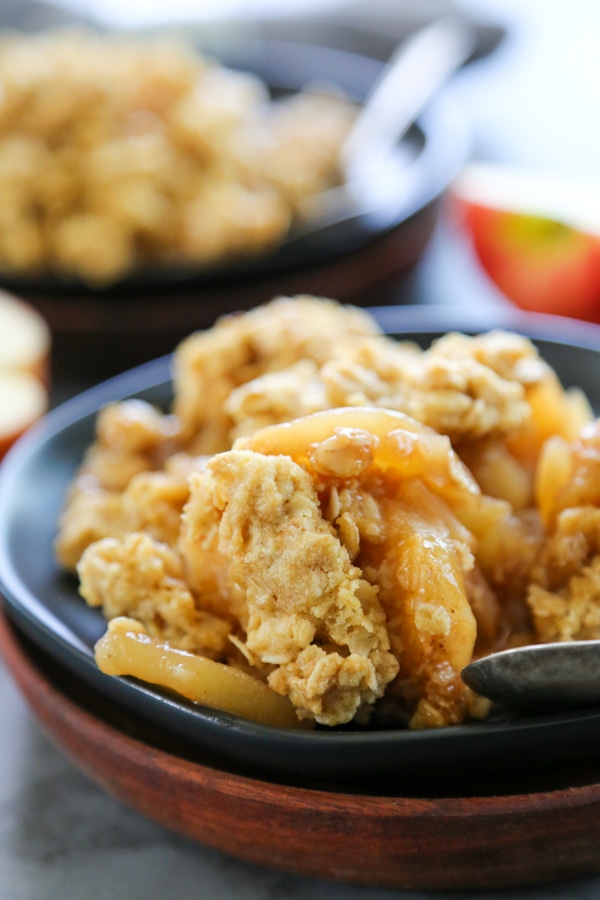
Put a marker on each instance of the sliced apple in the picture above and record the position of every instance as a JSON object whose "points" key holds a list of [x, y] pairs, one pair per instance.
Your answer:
{"points": [[24, 368], [23, 400], [536, 236], [24, 338]]}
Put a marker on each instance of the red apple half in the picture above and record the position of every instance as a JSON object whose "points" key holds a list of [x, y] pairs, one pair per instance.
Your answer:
{"points": [[537, 237]]}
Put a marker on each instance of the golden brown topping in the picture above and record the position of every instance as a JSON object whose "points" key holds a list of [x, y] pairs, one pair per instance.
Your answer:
{"points": [[210, 365], [91, 513], [141, 578], [307, 611], [468, 396]]}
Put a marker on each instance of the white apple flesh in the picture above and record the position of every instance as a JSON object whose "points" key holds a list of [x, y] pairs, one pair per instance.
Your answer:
{"points": [[23, 400], [574, 202], [24, 368], [24, 338]]}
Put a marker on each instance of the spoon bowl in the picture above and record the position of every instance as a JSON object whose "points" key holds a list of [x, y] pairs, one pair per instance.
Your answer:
{"points": [[541, 677]]}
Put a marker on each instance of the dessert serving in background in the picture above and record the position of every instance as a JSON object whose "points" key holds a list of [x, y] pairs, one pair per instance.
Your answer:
{"points": [[119, 154], [150, 187]]}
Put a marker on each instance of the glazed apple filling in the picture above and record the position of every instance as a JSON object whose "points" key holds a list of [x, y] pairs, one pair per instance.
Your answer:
{"points": [[344, 519]]}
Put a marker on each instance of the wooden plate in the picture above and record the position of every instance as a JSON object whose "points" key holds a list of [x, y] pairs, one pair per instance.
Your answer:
{"points": [[497, 840]]}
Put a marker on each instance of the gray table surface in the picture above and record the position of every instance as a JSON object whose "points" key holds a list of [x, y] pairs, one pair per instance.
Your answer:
{"points": [[61, 836]]}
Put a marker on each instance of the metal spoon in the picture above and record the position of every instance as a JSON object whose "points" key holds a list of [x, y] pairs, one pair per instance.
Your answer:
{"points": [[414, 74], [371, 156], [539, 676]]}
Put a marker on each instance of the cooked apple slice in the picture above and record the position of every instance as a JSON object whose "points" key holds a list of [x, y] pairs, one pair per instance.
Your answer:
{"points": [[126, 649], [536, 236], [23, 400], [24, 338]]}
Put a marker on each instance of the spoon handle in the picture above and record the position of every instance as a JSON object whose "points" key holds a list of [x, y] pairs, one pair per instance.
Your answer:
{"points": [[416, 71]]}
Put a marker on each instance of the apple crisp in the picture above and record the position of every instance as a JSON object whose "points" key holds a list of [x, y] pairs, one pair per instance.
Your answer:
{"points": [[347, 518]]}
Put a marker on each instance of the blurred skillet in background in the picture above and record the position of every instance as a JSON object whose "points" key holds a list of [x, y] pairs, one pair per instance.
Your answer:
{"points": [[97, 333]]}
